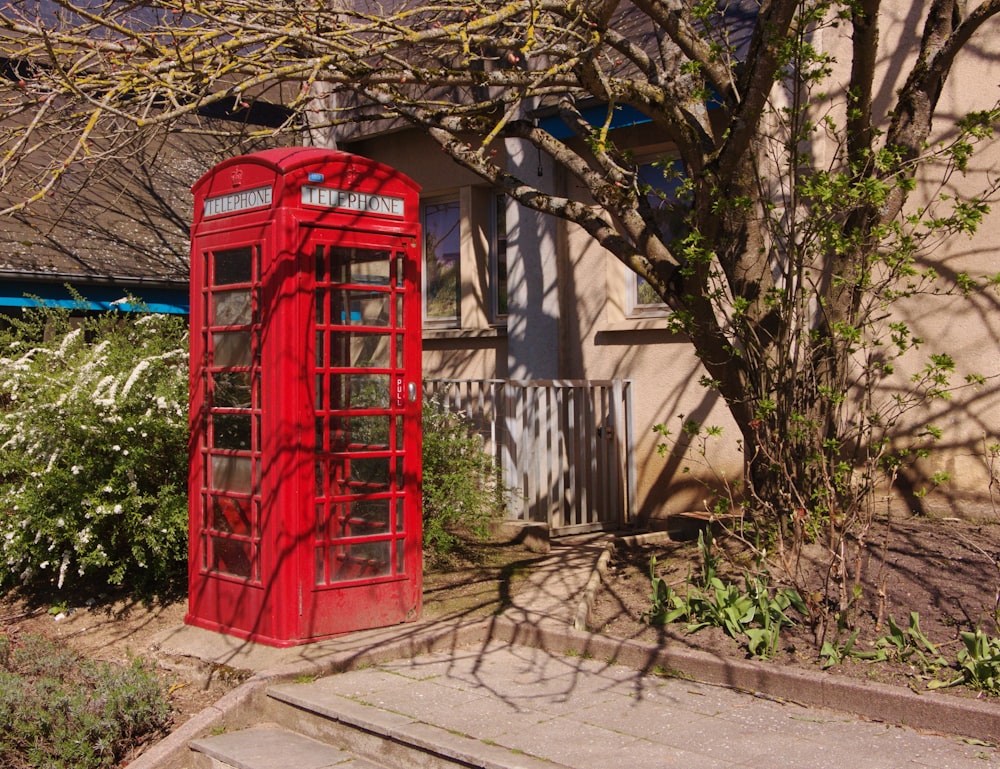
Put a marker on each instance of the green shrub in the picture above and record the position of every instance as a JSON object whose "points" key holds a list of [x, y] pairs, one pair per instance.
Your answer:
{"points": [[461, 487], [93, 452], [64, 712]]}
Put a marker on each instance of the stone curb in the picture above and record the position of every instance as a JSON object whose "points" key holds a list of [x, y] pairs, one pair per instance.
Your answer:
{"points": [[934, 711]]}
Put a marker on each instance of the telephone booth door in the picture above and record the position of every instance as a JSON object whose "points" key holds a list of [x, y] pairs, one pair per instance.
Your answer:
{"points": [[367, 431], [305, 507]]}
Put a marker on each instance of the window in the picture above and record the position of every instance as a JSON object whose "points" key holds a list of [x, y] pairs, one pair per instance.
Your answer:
{"points": [[498, 258], [442, 257], [664, 180]]}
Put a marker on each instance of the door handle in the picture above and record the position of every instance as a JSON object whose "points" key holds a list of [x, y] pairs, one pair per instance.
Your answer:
{"points": [[411, 391]]}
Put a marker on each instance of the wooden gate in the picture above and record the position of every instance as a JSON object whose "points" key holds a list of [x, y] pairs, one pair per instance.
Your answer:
{"points": [[564, 447]]}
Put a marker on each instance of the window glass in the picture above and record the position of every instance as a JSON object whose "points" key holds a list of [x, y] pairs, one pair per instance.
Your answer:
{"points": [[664, 180], [499, 257], [442, 244]]}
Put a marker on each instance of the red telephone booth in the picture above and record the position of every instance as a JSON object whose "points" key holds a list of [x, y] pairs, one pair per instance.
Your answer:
{"points": [[305, 408]]}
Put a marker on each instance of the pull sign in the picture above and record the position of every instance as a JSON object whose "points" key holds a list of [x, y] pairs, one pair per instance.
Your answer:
{"points": [[399, 394]]}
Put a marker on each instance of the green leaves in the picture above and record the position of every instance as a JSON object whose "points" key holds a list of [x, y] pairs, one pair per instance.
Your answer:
{"points": [[754, 615]]}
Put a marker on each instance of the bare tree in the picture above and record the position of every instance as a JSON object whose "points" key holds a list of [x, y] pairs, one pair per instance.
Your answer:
{"points": [[776, 261]]}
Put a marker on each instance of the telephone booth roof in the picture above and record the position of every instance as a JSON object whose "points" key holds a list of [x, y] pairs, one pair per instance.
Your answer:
{"points": [[306, 178]]}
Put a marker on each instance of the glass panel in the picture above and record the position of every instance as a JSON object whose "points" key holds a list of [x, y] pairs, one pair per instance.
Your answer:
{"points": [[359, 391], [359, 265], [399, 514], [399, 351], [360, 559], [231, 389], [320, 348], [400, 320], [321, 306], [320, 566], [355, 349], [368, 474], [360, 433], [231, 474], [231, 308], [320, 264], [399, 557], [231, 431], [441, 260], [233, 266], [357, 518], [359, 308], [500, 256], [231, 515], [369, 516], [320, 392], [231, 557], [231, 349]]}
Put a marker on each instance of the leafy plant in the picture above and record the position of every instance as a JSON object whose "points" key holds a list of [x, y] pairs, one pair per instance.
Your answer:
{"points": [[755, 615], [64, 712], [461, 486], [93, 451], [978, 663]]}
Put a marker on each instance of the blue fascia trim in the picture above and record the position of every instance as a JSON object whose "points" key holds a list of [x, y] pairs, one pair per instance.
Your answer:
{"points": [[95, 298], [624, 116]]}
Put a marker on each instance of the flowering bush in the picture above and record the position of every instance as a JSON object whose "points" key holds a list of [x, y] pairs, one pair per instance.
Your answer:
{"points": [[93, 451]]}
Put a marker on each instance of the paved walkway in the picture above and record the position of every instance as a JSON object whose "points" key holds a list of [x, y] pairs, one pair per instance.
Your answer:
{"points": [[529, 682], [586, 714]]}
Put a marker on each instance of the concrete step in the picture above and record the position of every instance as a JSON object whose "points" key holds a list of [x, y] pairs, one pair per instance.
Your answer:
{"points": [[270, 747], [321, 712]]}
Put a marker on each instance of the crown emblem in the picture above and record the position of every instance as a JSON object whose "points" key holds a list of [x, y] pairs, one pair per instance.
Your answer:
{"points": [[237, 177]]}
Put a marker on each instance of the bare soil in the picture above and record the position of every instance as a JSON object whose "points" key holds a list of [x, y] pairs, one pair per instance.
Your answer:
{"points": [[945, 570]]}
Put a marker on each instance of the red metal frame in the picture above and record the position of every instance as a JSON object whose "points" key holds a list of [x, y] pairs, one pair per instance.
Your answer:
{"points": [[305, 397]]}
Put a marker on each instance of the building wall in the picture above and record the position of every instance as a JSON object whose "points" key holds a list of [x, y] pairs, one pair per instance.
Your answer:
{"points": [[570, 314]]}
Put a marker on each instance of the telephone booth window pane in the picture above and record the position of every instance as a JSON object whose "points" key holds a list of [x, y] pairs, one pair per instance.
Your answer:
{"points": [[399, 311], [231, 308], [360, 433], [321, 302], [369, 516], [231, 556], [231, 474], [231, 389], [363, 391], [231, 349], [399, 557], [320, 264], [369, 474], [359, 308], [231, 515], [231, 431], [365, 350], [233, 266], [359, 265], [399, 514], [360, 560]]}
